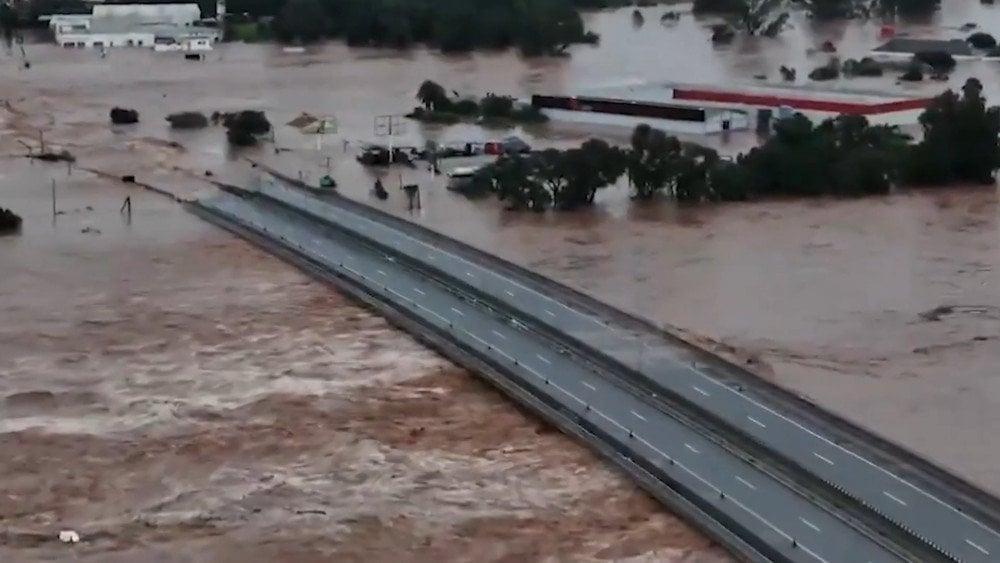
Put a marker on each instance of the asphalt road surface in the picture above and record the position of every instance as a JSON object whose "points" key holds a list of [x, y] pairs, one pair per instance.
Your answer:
{"points": [[800, 529], [921, 512]]}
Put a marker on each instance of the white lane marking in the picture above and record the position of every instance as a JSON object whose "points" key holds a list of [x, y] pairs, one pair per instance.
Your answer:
{"points": [[418, 291], [500, 335], [745, 482], [681, 465], [589, 386], [977, 546], [702, 479], [690, 447], [549, 313], [700, 390], [380, 272], [824, 458], [457, 312], [845, 450], [609, 419], [639, 416], [810, 524], [511, 293], [894, 497], [543, 358], [757, 422], [568, 394]]}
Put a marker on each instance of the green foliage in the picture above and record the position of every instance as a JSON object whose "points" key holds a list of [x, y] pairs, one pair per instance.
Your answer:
{"points": [[940, 61], [123, 116], [718, 6], [536, 27], [651, 162], [844, 156], [494, 106], [959, 142], [301, 20], [187, 120], [244, 127], [754, 17], [980, 40], [433, 96], [907, 7], [563, 179], [437, 107], [10, 222]]}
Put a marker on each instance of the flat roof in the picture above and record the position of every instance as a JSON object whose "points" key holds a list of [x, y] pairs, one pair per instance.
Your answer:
{"points": [[663, 92], [954, 47]]}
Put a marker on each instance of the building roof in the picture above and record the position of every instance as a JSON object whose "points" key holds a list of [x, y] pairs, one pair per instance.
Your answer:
{"points": [[954, 47]]}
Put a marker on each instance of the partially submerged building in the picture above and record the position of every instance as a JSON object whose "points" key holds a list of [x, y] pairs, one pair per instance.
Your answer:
{"points": [[700, 109], [165, 27]]}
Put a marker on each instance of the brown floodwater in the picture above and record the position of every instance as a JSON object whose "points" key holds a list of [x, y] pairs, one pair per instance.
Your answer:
{"points": [[213, 404]]}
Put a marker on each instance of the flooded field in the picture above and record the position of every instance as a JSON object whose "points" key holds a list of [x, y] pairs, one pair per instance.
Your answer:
{"points": [[176, 395]]}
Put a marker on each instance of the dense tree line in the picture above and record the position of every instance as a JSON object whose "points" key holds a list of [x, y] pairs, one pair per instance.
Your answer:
{"points": [[820, 9], [844, 156], [436, 106], [537, 27]]}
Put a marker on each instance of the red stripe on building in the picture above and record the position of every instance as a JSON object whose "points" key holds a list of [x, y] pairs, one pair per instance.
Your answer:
{"points": [[851, 108]]}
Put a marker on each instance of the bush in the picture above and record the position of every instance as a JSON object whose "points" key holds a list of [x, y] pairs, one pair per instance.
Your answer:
{"points": [[9, 221], [913, 74], [187, 120], [529, 114], [466, 108], [829, 71], [940, 61], [865, 67], [493, 106], [981, 40], [718, 6], [123, 116], [243, 128]]}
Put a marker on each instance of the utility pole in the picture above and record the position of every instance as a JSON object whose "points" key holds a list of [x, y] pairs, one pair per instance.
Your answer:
{"points": [[389, 126]]}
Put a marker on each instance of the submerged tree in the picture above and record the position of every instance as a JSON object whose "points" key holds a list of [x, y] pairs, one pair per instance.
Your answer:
{"points": [[432, 96], [244, 127], [651, 161], [960, 140], [301, 20]]}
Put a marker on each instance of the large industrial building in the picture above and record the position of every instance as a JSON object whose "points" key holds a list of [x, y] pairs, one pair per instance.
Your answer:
{"points": [[166, 27], [701, 110]]}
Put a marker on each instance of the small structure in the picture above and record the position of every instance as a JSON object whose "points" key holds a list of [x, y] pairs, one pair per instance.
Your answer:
{"points": [[907, 47]]}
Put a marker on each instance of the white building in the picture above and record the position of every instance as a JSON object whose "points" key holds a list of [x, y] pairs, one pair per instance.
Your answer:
{"points": [[168, 27]]}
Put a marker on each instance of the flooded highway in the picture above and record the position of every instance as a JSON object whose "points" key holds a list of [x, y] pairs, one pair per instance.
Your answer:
{"points": [[176, 395]]}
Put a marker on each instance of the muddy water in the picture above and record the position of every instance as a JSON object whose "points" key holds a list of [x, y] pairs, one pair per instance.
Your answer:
{"points": [[215, 405]]}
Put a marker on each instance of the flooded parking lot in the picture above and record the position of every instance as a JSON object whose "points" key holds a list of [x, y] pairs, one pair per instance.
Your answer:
{"points": [[176, 395]]}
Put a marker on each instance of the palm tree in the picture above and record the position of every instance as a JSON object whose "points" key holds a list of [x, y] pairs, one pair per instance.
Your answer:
{"points": [[432, 95]]}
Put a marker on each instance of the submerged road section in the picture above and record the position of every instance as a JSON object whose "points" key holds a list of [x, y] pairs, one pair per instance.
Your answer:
{"points": [[742, 504], [928, 508]]}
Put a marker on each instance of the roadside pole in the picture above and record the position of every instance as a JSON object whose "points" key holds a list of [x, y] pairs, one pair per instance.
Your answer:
{"points": [[389, 126]]}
